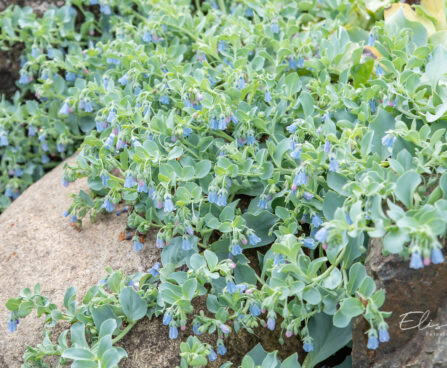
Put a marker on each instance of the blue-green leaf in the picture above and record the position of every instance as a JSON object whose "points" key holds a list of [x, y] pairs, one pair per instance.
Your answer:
{"points": [[134, 307]]}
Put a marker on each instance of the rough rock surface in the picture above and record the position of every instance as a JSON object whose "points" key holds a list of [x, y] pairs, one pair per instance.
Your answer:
{"points": [[412, 344], [37, 244], [38, 5]]}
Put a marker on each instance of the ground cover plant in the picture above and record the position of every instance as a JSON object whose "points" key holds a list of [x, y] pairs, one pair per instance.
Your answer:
{"points": [[295, 131]]}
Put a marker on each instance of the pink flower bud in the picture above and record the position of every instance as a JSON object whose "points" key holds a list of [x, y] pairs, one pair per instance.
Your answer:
{"points": [[183, 328], [289, 333], [324, 246], [244, 241], [233, 265], [427, 261]]}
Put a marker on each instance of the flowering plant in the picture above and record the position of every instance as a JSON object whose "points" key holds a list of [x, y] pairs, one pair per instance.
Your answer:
{"points": [[267, 142]]}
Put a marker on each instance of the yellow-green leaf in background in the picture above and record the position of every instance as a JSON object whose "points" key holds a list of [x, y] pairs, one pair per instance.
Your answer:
{"points": [[410, 15], [437, 10]]}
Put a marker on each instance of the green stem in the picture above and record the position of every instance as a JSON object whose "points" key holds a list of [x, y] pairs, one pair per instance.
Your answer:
{"points": [[199, 10], [284, 171], [121, 180], [222, 6], [123, 332], [331, 267], [190, 151], [223, 135], [261, 281]]}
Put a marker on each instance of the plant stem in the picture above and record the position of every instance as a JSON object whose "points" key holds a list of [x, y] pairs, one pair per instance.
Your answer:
{"points": [[199, 10], [261, 281], [123, 332], [222, 6], [331, 267]]}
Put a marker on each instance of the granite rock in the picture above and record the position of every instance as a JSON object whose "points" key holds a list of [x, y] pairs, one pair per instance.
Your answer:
{"points": [[38, 244], [418, 301]]}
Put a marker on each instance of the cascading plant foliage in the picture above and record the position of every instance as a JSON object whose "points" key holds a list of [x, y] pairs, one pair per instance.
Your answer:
{"points": [[293, 131]]}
